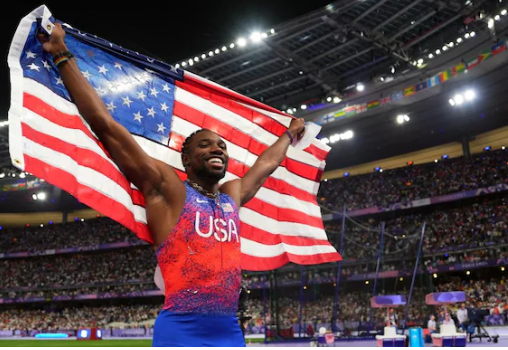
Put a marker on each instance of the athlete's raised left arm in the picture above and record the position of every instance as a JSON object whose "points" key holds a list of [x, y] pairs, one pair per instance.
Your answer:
{"points": [[244, 189]]}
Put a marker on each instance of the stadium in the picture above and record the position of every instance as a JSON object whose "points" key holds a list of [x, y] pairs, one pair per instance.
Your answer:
{"points": [[409, 98]]}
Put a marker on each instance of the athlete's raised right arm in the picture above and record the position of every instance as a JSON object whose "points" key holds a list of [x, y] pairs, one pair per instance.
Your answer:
{"points": [[139, 168]]}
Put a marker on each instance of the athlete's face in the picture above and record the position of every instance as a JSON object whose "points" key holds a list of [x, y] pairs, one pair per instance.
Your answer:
{"points": [[208, 156]]}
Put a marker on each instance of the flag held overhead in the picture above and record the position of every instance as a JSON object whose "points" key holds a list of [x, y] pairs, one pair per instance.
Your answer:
{"points": [[159, 105]]}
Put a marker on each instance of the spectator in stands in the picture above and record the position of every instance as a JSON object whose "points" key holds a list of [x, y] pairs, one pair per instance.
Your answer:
{"points": [[431, 325], [448, 320], [462, 317]]}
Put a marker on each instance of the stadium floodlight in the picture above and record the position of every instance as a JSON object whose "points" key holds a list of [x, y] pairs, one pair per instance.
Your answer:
{"points": [[34, 197], [459, 99], [490, 23], [241, 42], [224, 48], [325, 140], [196, 59], [360, 87], [329, 99], [217, 51], [232, 45], [452, 102], [42, 225], [13, 175], [294, 109], [459, 40], [255, 37], [504, 12], [503, 148], [203, 56], [402, 118], [472, 34], [177, 65], [289, 111], [264, 35], [438, 52], [210, 53], [444, 48], [184, 64], [431, 56], [22, 175], [420, 61], [336, 99], [82, 219], [272, 31], [2, 175], [451, 44], [497, 18], [304, 107], [436, 161], [435, 275], [469, 95], [41, 196]]}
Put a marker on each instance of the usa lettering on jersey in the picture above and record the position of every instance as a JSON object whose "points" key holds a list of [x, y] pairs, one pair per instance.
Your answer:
{"points": [[219, 228]]}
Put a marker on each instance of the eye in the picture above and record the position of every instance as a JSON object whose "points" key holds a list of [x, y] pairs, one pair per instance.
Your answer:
{"points": [[223, 146]]}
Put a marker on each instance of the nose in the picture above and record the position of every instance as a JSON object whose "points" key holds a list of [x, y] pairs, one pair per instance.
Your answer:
{"points": [[217, 150]]}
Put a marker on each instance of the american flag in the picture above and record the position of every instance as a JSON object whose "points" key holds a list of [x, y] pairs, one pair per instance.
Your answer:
{"points": [[160, 105]]}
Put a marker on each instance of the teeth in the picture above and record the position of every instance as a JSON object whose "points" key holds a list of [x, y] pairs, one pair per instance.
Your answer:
{"points": [[215, 161]]}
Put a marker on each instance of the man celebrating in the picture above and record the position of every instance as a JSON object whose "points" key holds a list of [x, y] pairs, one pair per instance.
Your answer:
{"points": [[194, 225]]}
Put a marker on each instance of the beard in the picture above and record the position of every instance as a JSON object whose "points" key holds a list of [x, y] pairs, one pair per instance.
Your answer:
{"points": [[212, 174]]}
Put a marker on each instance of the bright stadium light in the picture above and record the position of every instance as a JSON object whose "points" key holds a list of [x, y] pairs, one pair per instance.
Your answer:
{"points": [[34, 197], [203, 56], [264, 35], [452, 102], [224, 48], [360, 87], [2, 175], [304, 107], [459, 40], [232, 45], [459, 99], [217, 51], [241, 42], [497, 18], [329, 99], [272, 31], [490, 23], [41, 196], [255, 37], [431, 56], [504, 12], [336, 99], [438, 52], [472, 34], [469, 95], [22, 175], [402, 118], [210, 53], [196, 59], [289, 111], [444, 48]]}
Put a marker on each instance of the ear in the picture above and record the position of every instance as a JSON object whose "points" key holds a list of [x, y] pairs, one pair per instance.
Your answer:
{"points": [[185, 160]]}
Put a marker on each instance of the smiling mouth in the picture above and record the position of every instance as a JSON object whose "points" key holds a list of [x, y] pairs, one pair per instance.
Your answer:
{"points": [[215, 161]]}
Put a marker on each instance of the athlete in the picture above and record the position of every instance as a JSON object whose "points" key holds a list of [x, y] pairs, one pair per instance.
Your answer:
{"points": [[194, 225]]}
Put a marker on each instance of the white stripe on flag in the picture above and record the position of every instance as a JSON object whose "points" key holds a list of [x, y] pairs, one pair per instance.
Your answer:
{"points": [[84, 175], [260, 250]]}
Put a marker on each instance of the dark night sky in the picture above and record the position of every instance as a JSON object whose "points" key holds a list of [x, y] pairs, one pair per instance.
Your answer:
{"points": [[171, 30]]}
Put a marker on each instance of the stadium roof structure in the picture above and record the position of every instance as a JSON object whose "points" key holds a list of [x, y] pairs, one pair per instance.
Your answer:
{"points": [[319, 58]]}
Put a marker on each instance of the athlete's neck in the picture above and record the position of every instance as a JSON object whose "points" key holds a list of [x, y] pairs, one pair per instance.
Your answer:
{"points": [[209, 185]]}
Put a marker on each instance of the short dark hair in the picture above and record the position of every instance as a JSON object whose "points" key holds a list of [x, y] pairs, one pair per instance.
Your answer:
{"points": [[185, 144]]}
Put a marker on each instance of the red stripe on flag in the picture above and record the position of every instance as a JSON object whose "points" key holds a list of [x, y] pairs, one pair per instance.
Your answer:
{"points": [[84, 157], [283, 214], [255, 117], [261, 236], [87, 195], [242, 140], [317, 152], [254, 263]]}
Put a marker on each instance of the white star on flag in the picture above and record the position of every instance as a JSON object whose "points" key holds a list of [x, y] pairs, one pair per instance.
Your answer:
{"points": [[166, 88], [111, 106], [87, 75], [161, 128], [127, 101], [137, 116], [164, 107], [46, 65], [118, 65], [142, 96], [151, 112], [33, 66], [59, 81], [30, 54], [103, 69], [100, 91], [153, 92]]}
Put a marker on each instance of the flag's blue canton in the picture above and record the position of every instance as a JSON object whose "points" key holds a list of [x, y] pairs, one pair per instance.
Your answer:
{"points": [[139, 99]]}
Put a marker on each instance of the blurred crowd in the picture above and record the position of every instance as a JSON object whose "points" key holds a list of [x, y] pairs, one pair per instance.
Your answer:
{"points": [[89, 233], [76, 317], [135, 264], [401, 185]]}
